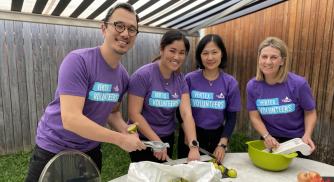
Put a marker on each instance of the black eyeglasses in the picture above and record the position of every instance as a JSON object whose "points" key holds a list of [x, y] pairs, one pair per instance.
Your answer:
{"points": [[120, 27]]}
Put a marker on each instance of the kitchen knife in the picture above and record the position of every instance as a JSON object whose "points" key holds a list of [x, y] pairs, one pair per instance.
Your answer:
{"points": [[172, 162], [206, 152]]}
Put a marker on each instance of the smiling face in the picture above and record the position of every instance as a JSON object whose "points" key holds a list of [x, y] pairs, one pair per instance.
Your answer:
{"points": [[270, 61], [173, 55], [119, 43], [211, 56]]}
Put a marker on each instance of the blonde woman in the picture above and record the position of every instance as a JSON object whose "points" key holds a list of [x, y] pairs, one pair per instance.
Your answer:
{"points": [[280, 103]]}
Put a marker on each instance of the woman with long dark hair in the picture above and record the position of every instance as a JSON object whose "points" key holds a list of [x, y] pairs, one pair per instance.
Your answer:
{"points": [[156, 90]]}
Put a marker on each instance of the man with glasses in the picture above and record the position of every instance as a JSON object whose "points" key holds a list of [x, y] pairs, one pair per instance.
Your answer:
{"points": [[91, 83], [120, 27]]}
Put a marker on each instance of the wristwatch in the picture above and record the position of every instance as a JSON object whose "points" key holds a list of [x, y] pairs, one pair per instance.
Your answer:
{"points": [[194, 144], [223, 146]]}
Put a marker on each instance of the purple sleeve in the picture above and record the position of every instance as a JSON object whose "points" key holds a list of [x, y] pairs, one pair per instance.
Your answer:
{"points": [[251, 103], [138, 85], [184, 85], [125, 81], [73, 79], [306, 100], [188, 81], [234, 101]]}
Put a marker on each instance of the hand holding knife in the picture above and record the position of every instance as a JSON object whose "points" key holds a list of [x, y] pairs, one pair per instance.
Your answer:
{"points": [[208, 153], [224, 171]]}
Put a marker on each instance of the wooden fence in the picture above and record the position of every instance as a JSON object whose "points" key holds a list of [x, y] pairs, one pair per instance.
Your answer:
{"points": [[307, 26], [30, 55]]}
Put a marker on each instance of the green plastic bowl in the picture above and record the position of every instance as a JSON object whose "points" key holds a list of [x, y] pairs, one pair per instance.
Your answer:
{"points": [[266, 160]]}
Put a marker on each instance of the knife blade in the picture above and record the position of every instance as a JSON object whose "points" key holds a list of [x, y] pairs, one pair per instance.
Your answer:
{"points": [[209, 154], [172, 162], [206, 152]]}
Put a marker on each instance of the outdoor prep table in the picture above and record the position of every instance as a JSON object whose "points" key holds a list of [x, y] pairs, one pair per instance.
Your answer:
{"points": [[248, 172]]}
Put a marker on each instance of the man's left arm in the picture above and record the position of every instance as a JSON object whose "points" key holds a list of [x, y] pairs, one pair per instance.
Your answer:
{"points": [[116, 121]]}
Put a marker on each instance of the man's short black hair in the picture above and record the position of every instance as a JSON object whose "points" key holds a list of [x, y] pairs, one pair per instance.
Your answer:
{"points": [[125, 6]]}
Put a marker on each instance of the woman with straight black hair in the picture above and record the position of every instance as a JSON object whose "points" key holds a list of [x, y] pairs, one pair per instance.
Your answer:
{"points": [[215, 98], [156, 90]]}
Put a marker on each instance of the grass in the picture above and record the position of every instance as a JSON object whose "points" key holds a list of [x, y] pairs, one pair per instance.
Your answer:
{"points": [[238, 142], [115, 161], [14, 167]]}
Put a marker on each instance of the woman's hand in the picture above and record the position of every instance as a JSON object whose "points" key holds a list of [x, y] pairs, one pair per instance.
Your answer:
{"points": [[309, 141], [219, 153], [270, 142], [162, 155], [193, 154]]}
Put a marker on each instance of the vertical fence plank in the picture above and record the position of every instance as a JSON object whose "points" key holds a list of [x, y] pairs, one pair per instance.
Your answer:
{"points": [[304, 37], [3, 144], [291, 31], [245, 37], [38, 68], [66, 36], [23, 116], [285, 23], [14, 86], [279, 21], [309, 53], [296, 49], [44, 65], [60, 48], [53, 67], [6, 83], [29, 65]]}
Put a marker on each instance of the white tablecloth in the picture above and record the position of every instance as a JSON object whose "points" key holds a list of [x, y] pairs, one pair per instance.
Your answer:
{"points": [[248, 172]]}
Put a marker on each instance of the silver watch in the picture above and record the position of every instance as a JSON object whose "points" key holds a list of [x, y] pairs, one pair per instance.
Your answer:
{"points": [[194, 144]]}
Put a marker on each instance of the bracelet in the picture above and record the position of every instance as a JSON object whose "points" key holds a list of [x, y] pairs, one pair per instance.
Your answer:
{"points": [[265, 135]]}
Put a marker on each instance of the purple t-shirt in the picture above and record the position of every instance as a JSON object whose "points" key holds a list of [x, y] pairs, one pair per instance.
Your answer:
{"points": [[82, 73], [281, 106], [161, 96], [209, 100]]}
